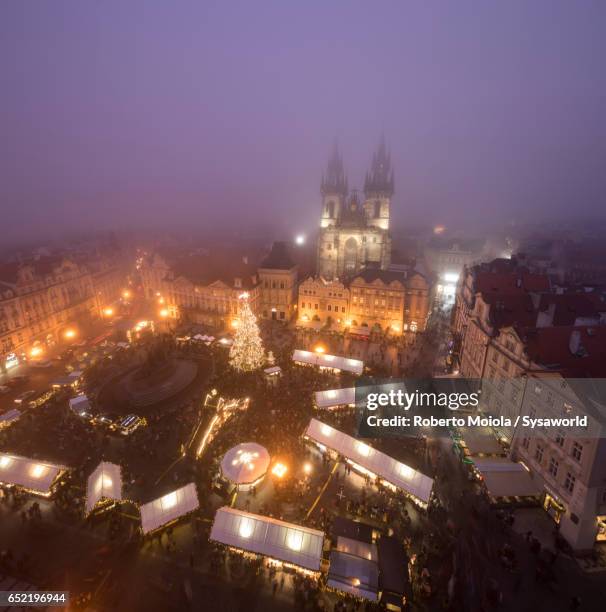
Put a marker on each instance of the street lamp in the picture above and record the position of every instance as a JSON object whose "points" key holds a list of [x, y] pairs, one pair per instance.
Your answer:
{"points": [[108, 312], [69, 334], [164, 313]]}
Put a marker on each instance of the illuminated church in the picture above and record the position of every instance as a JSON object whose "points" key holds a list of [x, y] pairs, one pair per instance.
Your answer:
{"points": [[354, 235]]}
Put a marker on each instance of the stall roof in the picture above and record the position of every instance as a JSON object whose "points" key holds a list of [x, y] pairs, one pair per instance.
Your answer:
{"points": [[354, 530], [398, 474], [104, 483], [269, 537], [507, 479], [336, 397], [482, 443], [273, 370], [245, 463], [32, 474], [79, 403], [357, 548], [334, 362], [169, 507], [354, 575]]}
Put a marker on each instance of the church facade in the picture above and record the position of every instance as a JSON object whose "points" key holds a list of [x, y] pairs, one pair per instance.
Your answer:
{"points": [[354, 234]]}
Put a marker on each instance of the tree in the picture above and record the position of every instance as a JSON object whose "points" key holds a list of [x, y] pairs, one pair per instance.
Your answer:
{"points": [[247, 353]]}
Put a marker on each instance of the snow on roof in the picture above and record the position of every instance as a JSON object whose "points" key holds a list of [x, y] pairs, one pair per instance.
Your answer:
{"points": [[333, 362], [35, 475], [169, 507], [270, 537], [336, 397], [104, 483], [398, 474], [245, 463]]}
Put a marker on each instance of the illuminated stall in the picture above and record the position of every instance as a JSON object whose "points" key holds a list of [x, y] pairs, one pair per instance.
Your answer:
{"points": [[280, 542], [368, 460], [332, 363], [506, 482], [354, 575], [245, 465], [333, 399], [31, 475], [167, 509], [9, 418], [104, 486]]}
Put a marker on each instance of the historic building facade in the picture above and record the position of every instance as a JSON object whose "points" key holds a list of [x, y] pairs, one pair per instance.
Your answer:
{"points": [[355, 234], [374, 300], [42, 298], [278, 279], [200, 288]]}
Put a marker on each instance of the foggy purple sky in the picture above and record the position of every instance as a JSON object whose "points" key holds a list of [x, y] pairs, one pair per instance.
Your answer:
{"points": [[169, 111]]}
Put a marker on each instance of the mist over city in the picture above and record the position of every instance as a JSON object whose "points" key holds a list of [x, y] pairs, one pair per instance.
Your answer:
{"points": [[233, 236]]}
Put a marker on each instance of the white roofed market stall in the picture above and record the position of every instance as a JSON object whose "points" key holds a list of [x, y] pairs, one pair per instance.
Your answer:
{"points": [[286, 542], [33, 475], [169, 507], [395, 473], [328, 362], [105, 483], [333, 398], [245, 465]]}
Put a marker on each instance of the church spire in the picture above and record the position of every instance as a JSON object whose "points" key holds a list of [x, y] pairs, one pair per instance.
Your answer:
{"points": [[380, 178], [334, 180]]}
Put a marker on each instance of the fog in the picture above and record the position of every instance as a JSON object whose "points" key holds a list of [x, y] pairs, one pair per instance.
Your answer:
{"points": [[214, 115]]}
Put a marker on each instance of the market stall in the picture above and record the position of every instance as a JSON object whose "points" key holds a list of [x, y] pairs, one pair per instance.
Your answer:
{"points": [[507, 482], [333, 399], [281, 542], [166, 509], [368, 460], [104, 486], [333, 363], [31, 475], [245, 465]]}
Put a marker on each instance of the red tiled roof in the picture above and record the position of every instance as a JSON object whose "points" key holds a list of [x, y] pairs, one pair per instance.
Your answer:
{"points": [[551, 347]]}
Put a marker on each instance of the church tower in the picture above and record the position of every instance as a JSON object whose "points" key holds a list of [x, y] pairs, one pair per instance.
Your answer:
{"points": [[333, 189], [378, 188]]}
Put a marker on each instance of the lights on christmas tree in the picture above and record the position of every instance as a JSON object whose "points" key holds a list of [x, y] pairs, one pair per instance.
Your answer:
{"points": [[247, 353]]}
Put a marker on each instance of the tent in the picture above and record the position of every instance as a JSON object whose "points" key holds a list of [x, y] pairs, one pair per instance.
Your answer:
{"points": [[286, 542], [169, 508], [104, 483], [32, 475], [328, 362], [333, 398], [371, 460]]}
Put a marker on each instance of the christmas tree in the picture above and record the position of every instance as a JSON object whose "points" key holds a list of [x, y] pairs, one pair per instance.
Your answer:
{"points": [[247, 352]]}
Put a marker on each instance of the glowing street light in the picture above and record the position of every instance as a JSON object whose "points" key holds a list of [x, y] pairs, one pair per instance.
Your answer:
{"points": [[70, 334], [307, 468], [320, 349], [300, 239], [279, 470], [126, 294], [36, 351], [164, 313], [108, 312]]}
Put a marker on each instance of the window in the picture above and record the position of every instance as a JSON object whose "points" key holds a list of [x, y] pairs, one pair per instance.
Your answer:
{"points": [[281, 314], [315, 306], [273, 284], [342, 308], [506, 366], [281, 284], [567, 408], [329, 308], [553, 467], [569, 482], [538, 453], [577, 451], [559, 439], [526, 443], [537, 389], [514, 394]]}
